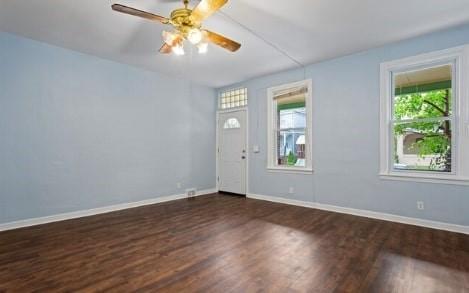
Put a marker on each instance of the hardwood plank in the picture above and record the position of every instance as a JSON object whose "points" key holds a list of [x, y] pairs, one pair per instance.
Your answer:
{"points": [[220, 243]]}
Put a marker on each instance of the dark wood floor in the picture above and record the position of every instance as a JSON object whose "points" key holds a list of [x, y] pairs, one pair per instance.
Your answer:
{"points": [[220, 243]]}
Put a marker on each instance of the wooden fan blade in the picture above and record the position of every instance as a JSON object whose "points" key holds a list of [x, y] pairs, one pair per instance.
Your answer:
{"points": [[165, 49], [222, 41], [139, 13], [205, 9]]}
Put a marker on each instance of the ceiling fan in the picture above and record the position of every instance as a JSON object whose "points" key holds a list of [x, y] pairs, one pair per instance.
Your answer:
{"points": [[187, 25]]}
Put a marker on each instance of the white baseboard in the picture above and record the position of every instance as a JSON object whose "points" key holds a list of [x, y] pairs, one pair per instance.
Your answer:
{"points": [[96, 211], [365, 213]]}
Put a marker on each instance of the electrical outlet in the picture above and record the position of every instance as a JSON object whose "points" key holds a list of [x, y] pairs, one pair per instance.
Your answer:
{"points": [[179, 185], [420, 205], [190, 192], [291, 190]]}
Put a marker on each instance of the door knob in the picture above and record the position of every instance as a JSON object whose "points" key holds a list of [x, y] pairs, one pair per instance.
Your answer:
{"points": [[243, 157]]}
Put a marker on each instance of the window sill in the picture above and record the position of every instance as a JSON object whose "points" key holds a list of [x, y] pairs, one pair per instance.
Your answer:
{"points": [[427, 178], [293, 170]]}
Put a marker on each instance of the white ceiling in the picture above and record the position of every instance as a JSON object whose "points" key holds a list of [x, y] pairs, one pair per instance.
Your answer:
{"points": [[308, 30]]}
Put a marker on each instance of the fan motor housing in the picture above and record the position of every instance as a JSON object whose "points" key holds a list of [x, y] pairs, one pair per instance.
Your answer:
{"points": [[181, 17]]}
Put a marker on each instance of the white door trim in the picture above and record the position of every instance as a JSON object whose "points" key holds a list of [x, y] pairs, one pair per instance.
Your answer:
{"points": [[217, 144]]}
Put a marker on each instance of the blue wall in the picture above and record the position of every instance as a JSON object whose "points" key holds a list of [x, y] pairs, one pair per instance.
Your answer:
{"points": [[346, 138], [79, 132]]}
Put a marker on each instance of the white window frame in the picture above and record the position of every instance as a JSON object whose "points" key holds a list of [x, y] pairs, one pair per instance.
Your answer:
{"points": [[271, 128], [459, 58]]}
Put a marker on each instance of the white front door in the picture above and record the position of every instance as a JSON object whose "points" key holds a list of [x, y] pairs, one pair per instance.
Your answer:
{"points": [[232, 151]]}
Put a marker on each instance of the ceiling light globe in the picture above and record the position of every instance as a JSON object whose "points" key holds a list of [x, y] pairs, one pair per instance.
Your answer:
{"points": [[202, 48], [194, 36], [178, 50], [169, 38]]}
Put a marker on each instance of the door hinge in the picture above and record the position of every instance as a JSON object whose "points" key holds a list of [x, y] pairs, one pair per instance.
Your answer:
{"points": [[218, 178]]}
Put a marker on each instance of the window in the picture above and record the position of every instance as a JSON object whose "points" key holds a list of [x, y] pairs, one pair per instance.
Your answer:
{"points": [[231, 123], [233, 98], [289, 127], [424, 117]]}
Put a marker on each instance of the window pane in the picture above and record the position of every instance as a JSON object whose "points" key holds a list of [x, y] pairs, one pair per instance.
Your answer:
{"points": [[423, 93], [233, 98], [291, 148], [292, 118], [291, 123], [291, 111], [423, 146]]}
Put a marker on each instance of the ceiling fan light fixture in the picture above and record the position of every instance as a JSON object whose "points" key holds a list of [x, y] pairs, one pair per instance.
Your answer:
{"points": [[178, 49], [202, 48], [187, 25], [194, 36], [169, 38]]}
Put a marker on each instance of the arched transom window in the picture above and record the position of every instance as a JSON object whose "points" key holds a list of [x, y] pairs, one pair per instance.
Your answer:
{"points": [[231, 123]]}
